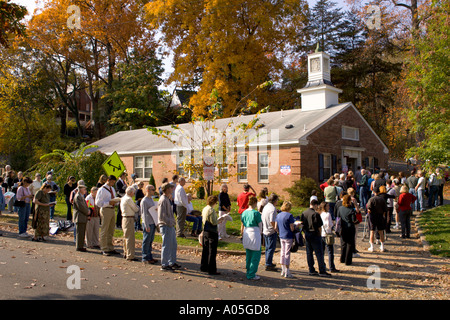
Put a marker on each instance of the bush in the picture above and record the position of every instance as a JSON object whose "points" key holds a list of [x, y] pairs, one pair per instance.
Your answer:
{"points": [[300, 192]]}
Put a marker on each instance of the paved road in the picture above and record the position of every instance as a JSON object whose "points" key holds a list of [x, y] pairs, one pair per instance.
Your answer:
{"points": [[31, 270]]}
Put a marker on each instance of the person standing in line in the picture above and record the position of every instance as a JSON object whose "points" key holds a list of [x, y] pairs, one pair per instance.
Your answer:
{"points": [[174, 184], [68, 188], [210, 237], [24, 196], [441, 182], [327, 229], [192, 217], [93, 223], [181, 203], [139, 195], [224, 208], [331, 194], [129, 210], [312, 223], [242, 199], [411, 182], [121, 187], [2, 199], [284, 224], [167, 225], [35, 187], [41, 217], [377, 210], [405, 211], [105, 202], [269, 216], [52, 194], [80, 215], [148, 225], [102, 180], [433, 182], [420, 191], [251, 237], [347, 214], [363, 186]]}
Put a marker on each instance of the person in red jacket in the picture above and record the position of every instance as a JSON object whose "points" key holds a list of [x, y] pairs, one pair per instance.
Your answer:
{"points": [[243, 197], [405, 211]]}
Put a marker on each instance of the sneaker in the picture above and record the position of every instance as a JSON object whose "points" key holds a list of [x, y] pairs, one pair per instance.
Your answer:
{"points": [[355, 255], [255, 278], [315, 273], [288, 274], [24, 235], [175, 266], [370, 249], [325, 274], [166, 268]]}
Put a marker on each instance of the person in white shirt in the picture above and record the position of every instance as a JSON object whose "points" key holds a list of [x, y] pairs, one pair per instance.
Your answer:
{"points": [[181, 201], [327, 228], [129, 210], [104, 201], [420, 190], [268, 217]]}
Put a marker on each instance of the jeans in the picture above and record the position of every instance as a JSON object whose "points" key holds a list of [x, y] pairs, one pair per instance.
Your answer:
{"points": [[415, 204], [169, 246], [330, 249], [271, 244], [196, 222], [331, 209], [420, 200], [314, 245], [24, 214], [363, 196], [147, 243], [433, 198], [52, 208]]}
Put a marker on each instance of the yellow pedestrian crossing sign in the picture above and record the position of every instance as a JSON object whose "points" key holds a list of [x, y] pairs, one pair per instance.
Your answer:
{"points": [[113, 165]]}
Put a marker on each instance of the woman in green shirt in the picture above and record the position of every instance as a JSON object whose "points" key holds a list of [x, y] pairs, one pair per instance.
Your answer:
{"points": [[251, 228]]}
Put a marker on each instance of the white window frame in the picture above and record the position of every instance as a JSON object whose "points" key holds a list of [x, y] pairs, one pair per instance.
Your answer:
{"points": [[241, 178], [221, 172], [144, 158], [346, 130], [261, 167]]}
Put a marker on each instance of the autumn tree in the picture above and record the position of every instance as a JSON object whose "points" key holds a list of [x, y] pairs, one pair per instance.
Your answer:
{"points": [[11, 15], [230, 45]]}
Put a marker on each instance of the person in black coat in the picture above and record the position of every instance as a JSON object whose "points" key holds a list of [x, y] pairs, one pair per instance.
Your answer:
{"points": [[347, 215]]}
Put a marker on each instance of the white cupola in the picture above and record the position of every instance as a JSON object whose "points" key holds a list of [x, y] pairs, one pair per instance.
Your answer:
{"points": [[319, 92]]}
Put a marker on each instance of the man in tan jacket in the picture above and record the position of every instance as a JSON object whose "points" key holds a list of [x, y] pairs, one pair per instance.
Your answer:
{"points": [[129, 209], [81, 213]]}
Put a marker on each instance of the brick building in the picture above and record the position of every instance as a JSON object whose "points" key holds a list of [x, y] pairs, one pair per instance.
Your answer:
{"points": [[321, 138]]}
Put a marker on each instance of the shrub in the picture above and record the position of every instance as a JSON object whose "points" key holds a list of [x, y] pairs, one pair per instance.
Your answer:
{"points": [[300, 192]]}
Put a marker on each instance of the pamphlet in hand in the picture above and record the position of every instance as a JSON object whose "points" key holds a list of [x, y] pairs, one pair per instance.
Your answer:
{"points": [[52, 203], [117, 199], [224, 218], [154, 213]]}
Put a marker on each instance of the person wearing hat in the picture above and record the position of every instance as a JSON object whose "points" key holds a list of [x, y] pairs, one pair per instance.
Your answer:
{"points": [[81, 213]]}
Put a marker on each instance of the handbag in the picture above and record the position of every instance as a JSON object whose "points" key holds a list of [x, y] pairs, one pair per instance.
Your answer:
{"points": [[329, 239], [19, 203]]}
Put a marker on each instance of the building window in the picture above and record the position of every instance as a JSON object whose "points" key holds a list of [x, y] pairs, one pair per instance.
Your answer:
{"points": [[263, 167], [223, 173], [143, 167], [242, 168], [350, 133], [180, 166], [327, 166]]}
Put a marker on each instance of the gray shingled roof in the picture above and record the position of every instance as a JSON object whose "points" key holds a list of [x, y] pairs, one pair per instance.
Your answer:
{"points": [[303, 123]]}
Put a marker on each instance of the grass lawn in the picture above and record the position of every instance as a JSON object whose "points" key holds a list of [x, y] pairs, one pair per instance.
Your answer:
{"points": [[233, 227], [436, 226]]}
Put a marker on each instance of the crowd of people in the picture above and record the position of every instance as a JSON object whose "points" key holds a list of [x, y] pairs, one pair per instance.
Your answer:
{"points": [[348, 198]]}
